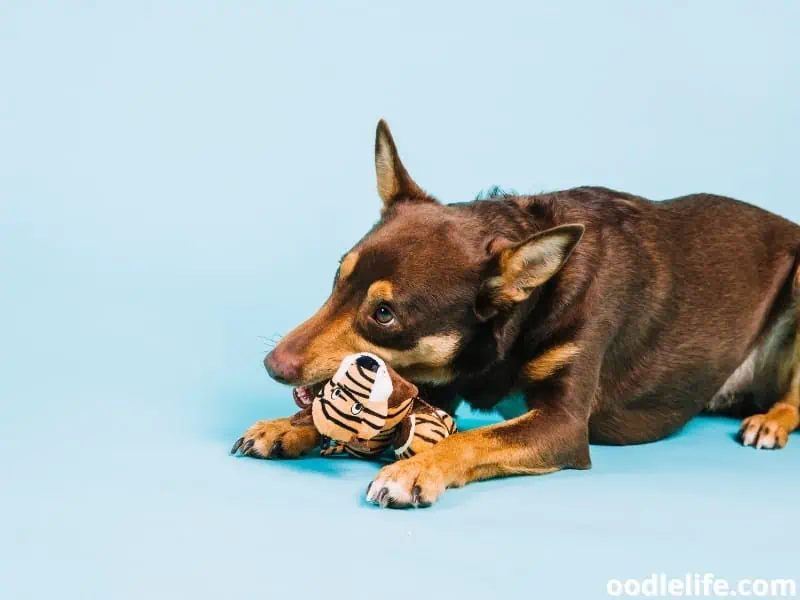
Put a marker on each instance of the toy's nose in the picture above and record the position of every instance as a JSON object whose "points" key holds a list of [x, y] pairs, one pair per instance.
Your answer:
{"points": [[367, 362], [284, 366]]}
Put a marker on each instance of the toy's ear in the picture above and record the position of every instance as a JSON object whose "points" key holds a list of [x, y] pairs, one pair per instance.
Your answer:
{"points": [[402, 389], [394, 182]]}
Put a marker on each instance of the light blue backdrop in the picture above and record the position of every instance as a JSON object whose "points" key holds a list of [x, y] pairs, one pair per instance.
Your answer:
{"points": [[180, 178]]}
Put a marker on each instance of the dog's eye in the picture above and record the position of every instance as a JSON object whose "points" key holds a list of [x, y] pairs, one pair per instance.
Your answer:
{"points": [[356, 408], [384, 315]]}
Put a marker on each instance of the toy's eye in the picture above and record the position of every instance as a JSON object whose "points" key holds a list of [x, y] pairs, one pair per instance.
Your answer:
{"points": [[356, 408], [336, 393], [383, 315]]}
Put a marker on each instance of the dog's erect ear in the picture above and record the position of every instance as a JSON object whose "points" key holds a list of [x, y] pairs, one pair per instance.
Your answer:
{"points": [[394, 182], [521, 268]]}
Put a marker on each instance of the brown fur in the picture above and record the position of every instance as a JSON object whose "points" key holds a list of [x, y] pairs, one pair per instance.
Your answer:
{"points": [[619, 319]]}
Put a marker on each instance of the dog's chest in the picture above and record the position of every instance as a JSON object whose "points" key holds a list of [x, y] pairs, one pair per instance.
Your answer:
{"points": [[495, 391]]}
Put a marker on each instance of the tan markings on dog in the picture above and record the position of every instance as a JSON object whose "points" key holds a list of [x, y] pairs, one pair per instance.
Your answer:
{"points": [[503, 293], [772, 429], [428, 359], [427, 362], [349, 263], [379, 290], [326, 351], [550, 361], [432, 375], [431, 350]]}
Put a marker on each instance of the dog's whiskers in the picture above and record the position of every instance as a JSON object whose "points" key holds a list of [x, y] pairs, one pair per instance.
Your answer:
{"points": [[272, 341]]}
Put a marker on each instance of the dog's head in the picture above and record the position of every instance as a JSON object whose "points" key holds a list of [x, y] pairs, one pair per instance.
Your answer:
{"points": [[426, 282]]}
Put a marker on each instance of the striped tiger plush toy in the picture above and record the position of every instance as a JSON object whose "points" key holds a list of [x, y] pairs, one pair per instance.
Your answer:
{"points": [[366, 408]]}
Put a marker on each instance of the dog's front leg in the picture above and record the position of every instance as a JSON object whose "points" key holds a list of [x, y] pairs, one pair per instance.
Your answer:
{"points": [[280, 438], [541, 441]]}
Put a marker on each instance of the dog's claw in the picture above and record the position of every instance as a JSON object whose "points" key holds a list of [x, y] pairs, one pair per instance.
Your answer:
{"points": [[276, 450], [236, 445], [383, 498], [415, 494], [247, 446]]}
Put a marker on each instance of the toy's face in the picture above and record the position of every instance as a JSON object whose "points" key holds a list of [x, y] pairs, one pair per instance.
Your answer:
{"points": [[355, 402]]}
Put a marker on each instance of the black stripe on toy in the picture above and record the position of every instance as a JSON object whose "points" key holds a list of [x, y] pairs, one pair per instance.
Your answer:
{"points": [[351, 418], [363, 374], [353, 395], [358, 383], [358, 454], [402, 408], [427, 439], [323, 405], [436, 426], [372, 412]]}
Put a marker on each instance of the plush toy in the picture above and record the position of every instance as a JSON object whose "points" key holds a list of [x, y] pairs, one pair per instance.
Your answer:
{"points": [[367, 408]]}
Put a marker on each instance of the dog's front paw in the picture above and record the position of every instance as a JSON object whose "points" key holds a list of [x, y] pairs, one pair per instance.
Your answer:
{"points": [[762, 431], [413, 482], [277, 438]]}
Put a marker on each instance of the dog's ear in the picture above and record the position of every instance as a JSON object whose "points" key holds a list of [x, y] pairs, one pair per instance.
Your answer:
{"points": [[521, 268], [394, 182]]}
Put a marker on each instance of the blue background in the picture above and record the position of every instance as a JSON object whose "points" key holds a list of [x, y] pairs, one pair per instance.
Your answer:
{"points": [[177, 183]]}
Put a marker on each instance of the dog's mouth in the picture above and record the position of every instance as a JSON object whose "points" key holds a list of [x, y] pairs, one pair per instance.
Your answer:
{"points": [[304, 394]]}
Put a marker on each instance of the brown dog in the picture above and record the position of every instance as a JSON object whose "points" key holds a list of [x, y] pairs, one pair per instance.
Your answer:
{"points": [[617, 319]]}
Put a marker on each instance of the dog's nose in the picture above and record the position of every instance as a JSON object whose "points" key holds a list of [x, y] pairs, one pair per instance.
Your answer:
{"points": [[283, 366]]}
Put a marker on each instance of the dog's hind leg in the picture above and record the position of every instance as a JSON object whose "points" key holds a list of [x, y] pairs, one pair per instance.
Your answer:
{"points": [[772, 429]]}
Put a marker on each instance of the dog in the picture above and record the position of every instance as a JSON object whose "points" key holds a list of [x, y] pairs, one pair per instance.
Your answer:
{"points": [[584, 316]]}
